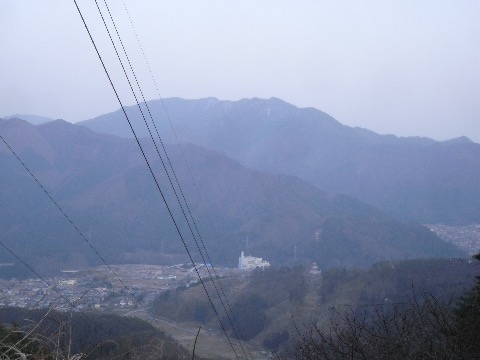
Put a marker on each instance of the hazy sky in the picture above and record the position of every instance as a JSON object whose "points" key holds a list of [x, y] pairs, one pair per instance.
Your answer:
{"points": [[406, 67]]}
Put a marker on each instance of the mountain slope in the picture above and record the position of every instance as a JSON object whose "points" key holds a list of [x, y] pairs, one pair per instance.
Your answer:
{"points": [[414, 179], [103, 185], [32, 119], [100, 335], [288, 299]]}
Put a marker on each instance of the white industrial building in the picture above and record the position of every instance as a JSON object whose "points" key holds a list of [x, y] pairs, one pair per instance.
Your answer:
{"points": [[250, 262]]}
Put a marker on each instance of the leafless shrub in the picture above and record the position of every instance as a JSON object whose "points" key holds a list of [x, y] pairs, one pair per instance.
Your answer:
{"points": [[51, 339], [38, 342], [414, 330]]}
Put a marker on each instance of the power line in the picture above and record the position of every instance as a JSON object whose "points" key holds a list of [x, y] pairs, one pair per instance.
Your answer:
{"points": [[172, 169], [149, 166], [158, 152], [68, 219], [74, 226], [64, 214], [29, 267], [72, 304], [229, 311]]}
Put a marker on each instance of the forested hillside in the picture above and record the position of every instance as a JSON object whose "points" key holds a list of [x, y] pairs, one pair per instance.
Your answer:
{"points": [[272, 306], [414, 179], [103, 185], [99, 336]]}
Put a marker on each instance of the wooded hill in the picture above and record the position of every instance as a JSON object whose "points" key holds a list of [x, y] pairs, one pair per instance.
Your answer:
{"points": [[102, 183], [100, 336], [271, 306], [413, 179]]}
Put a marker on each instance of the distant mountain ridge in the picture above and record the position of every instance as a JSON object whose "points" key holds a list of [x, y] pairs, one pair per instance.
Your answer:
{"points": [[102, 182], [32, 119], [414, 179]]}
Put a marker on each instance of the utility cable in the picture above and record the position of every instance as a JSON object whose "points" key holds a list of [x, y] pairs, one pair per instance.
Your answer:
{"points": [[153, 174], [72, 304], [68, 219], [184, 158], [40, 277], [229, 311], [51, 287], [156, 147], [74, 226]]}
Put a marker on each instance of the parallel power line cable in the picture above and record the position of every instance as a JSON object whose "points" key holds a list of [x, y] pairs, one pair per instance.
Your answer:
{"points": [[48, 194], [77, 229], [29, 267], [215, 280], [165, 152], [235, 326], [50, 287], [72, 304], [154, 177]]}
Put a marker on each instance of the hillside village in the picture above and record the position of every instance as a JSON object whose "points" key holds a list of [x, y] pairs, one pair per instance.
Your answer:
{"points": [[122, 287], [98, 288]]}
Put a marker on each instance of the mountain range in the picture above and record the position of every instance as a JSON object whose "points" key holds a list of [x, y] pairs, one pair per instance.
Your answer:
{"points": [[101, 182], [32, 119], [413, 179]]}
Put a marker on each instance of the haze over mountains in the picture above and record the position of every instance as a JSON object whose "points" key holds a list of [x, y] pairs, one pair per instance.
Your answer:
{"points": [[103, 185], [413, 179], [32, 119]]}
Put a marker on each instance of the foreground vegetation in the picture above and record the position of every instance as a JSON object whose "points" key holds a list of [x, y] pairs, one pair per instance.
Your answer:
{"points": [[49, 335], [272, 307], [416, 309], [422, 328]]}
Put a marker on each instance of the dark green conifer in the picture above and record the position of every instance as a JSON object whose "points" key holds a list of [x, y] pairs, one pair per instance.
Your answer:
{"points": [[468, 316]]}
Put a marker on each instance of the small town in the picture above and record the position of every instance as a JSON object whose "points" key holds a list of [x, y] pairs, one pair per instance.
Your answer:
{"points": [[466, 237], [117, 287]]}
